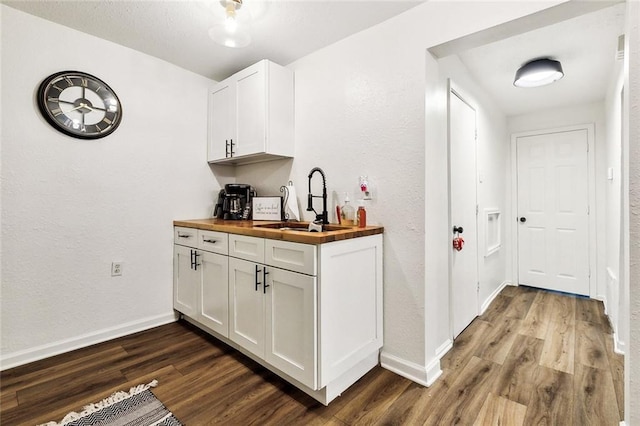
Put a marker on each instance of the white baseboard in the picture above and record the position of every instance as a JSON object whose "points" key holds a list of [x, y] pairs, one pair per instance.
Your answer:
{"points": [[618, 346], [444, 348], [423, 375], [493, 295], [26, 356]]}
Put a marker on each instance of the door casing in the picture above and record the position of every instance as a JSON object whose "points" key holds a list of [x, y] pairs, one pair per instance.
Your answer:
{"points": [[589, 127]]}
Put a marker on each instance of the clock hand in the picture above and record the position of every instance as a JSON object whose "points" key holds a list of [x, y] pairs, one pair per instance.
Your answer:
{"points": [[82, 105], [73, 109]]}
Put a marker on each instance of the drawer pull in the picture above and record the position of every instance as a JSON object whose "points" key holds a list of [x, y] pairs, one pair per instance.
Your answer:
{"points": [[184, 235], [210, 241]]}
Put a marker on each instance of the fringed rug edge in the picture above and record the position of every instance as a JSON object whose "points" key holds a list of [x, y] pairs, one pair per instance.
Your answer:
{"points": [[107, 402]]}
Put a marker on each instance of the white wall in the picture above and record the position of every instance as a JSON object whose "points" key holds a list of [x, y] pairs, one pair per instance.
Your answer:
{"points": [[492, 160], [631, 146], [70, 207], [361, 109]]}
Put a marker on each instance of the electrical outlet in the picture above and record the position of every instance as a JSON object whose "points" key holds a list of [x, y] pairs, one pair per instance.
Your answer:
{"points": [[116, 269]]}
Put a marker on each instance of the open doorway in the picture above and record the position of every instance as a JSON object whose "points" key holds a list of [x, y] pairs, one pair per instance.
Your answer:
{"points": [[528, 111]]}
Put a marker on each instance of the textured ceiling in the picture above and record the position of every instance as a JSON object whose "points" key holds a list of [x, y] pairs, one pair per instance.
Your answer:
{"points": [[586, 46], [177, 31], [286, 30]]}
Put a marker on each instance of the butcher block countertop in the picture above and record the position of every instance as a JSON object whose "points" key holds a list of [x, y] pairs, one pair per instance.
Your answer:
{"points": [[271, 230]]}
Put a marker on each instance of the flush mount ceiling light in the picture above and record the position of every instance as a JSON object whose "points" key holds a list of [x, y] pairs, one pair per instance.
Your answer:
{"points": [[234, 32], [539, 72]]}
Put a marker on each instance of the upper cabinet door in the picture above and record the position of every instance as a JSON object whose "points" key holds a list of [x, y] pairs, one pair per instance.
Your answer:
{"points": [[251, 110], [222, 121], [255, 108]]}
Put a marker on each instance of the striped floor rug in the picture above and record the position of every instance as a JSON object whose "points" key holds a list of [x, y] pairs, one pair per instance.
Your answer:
{"points": [[138, 407]]}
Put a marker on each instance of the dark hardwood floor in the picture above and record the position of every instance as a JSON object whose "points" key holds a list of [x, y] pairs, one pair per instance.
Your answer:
{"points": [[532, 358]]}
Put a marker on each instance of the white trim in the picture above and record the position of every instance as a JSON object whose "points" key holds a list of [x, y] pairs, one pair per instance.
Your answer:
{"points": [[67, 345], [591, 169], [444, 348], [490, 249], [493, 295], [619, 346], [420, 374]]}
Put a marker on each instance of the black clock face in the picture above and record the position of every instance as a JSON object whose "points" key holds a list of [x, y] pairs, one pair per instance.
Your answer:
{"points": [[79, 105]]}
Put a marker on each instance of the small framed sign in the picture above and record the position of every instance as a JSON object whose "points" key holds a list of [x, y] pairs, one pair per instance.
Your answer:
{"points": [[267, 208]]}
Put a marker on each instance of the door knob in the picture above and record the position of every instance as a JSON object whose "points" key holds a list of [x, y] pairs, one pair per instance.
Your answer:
{"points": [[458, 230], [523, 219]]}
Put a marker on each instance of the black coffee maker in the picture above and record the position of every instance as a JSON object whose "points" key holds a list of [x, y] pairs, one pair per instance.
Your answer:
{"points": [[234, 202]]}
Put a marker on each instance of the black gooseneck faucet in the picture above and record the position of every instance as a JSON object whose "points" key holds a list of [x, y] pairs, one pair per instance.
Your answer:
{"points": [[324, 216]]}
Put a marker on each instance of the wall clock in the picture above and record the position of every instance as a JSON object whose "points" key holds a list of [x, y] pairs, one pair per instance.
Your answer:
{"points": [[79, 105]]}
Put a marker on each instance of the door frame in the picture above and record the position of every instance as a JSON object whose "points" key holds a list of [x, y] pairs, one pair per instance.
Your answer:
{"points": [[592, 228], [455, 90]]}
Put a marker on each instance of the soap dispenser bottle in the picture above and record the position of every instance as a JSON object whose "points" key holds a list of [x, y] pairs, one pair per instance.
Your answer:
{"points": [[347, 212], [361, 215]]}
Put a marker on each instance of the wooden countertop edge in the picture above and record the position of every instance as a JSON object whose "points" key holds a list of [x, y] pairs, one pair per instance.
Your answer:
{"points": [[249, 228]]}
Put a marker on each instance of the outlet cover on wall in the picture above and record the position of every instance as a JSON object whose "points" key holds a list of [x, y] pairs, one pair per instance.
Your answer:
{"points": [[116, 269]]}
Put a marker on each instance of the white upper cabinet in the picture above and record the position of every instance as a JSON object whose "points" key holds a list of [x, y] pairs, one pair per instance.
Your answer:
{"points": [[251, 116]]}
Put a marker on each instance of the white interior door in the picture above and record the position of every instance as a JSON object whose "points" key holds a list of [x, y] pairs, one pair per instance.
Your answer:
{"points": [[463, 200], [553, 209]]}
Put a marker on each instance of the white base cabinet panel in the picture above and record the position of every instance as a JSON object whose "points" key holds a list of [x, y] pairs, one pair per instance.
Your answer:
{"points": [[350, 304], [291, 326], [186, 281], [214, 289], [246, 305], [312, 314]]}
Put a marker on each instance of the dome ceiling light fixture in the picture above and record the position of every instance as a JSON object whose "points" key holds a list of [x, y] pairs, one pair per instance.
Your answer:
{"points": [[538, 72], [234, 32]]}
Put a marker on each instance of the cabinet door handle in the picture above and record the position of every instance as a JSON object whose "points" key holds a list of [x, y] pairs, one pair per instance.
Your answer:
{"points": [[195, 260], [264, 279], [210, 241], [231, 148], [257, 272], [226, 148], [192, 253]]}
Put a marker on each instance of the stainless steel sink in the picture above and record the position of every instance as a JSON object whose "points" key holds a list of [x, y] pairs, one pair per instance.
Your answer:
{"points": [[301, 227]]}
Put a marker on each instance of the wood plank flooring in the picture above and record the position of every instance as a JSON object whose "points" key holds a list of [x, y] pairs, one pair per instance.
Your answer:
{"points": [[532, 358]]}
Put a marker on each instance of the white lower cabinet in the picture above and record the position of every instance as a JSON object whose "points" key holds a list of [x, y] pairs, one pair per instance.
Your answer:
{"points": [[291, 324], [273, 315], [214, 298], [246, 305], [310, 313], [186, 281], [200, 278]]}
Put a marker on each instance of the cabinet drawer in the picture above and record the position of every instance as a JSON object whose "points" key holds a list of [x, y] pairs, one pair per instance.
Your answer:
{"points": [[216, 242], [291, 256], [185, 236], [248, 248]]}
